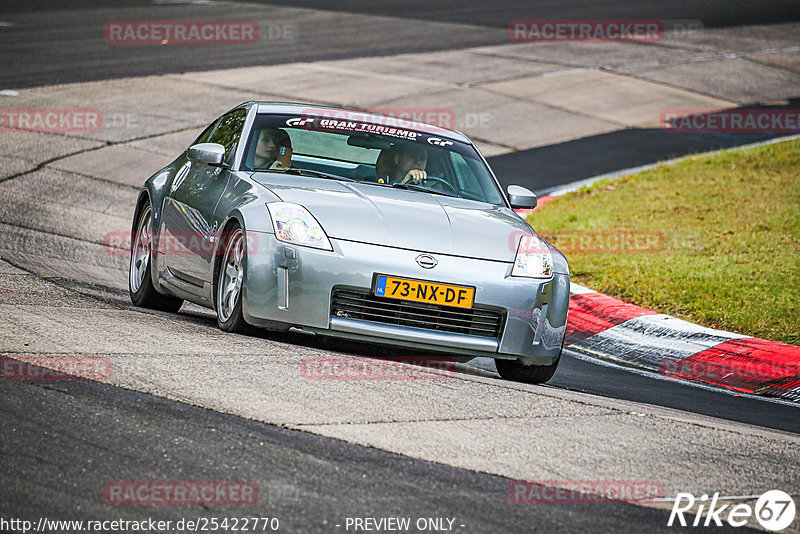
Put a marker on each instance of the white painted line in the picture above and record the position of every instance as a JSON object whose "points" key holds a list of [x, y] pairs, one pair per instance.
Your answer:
{"points": [[655, 376], [661, 323], [8, 92], [650, 341], [577, 289], [6, 24], [575, 186]]}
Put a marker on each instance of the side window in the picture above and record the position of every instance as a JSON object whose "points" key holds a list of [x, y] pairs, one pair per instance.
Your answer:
{"points": [[466, 178], [228, 132], [203, 137]]}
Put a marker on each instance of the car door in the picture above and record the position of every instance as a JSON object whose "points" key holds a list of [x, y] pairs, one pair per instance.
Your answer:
{"points": [[189, 214]]}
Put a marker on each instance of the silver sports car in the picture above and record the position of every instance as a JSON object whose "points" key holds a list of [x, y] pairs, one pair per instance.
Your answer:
{"points": [[354, 225]]}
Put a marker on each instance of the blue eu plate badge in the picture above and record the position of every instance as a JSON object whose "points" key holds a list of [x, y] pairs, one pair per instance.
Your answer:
{"points": [[380, 285]]}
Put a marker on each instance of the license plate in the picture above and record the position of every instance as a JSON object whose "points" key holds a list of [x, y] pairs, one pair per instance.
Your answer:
{"points": [[423, 291]]}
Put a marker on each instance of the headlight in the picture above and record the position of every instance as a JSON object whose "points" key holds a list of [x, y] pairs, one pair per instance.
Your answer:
{"points": [[533, 258], [294, 224]]}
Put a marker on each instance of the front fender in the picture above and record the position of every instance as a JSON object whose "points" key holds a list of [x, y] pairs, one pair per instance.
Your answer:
{"points": [[560, 264], [248, 212], [154, 190]]}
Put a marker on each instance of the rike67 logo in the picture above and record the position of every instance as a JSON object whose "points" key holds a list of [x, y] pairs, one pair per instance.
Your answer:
{"points": [[774, 511]]}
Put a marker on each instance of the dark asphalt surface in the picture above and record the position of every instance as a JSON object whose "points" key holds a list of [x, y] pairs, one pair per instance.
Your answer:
{"points": [[715, 13], [612, 381], [62, 441], [53, 42], [546, 168], [57, 44]]}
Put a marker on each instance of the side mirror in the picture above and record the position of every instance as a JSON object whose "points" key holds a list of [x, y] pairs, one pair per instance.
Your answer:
{"points": [[208, 153], [521, 198]]}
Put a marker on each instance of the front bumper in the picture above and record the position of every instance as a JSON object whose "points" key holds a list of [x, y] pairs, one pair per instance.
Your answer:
{"points": [[287, 285]]}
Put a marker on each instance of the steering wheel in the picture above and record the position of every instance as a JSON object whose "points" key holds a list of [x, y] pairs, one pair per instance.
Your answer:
{"points": [[441, 181]]}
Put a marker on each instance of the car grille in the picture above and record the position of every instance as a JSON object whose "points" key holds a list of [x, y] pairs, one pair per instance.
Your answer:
{"points": [[361, 304]]}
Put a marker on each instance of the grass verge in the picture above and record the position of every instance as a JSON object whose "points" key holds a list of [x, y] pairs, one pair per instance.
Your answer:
{"points": [[711, 239]]}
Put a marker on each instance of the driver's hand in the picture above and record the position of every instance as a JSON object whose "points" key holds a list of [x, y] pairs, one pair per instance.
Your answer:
{"points": [[415, 175]]}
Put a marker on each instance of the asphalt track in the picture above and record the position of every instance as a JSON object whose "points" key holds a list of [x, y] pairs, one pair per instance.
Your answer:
{"points": [[715, 13], [65, 439], [95, 433], [58, 43], [563, 163]]}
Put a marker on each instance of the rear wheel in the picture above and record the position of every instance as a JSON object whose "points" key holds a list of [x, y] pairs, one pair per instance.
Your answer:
{"points": [[229, 283], [140, 283], [532, 374]]}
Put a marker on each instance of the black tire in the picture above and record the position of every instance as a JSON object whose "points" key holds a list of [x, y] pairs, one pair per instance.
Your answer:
{"points": [[140, 283], [531, 374], [231, 319]]}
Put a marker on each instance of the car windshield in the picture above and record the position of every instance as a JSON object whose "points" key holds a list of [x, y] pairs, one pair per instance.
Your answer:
{"points": [[390, 154]]}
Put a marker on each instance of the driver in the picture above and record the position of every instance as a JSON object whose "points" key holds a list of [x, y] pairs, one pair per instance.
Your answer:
{"points": [[409, 162]]}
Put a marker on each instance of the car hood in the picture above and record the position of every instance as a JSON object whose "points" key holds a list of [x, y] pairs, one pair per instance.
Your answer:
{"points": [[404, 219]]}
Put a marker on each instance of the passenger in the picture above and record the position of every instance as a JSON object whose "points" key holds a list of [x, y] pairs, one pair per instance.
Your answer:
{"points": [[273, 149]]}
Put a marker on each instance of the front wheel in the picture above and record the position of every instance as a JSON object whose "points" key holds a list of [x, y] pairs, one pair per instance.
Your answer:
{"points": [[532, 374], [229, 283], [140, 283]]}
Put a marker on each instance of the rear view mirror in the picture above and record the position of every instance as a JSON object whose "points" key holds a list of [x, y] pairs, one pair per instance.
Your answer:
{"points": [[367, 141], [521, 198], [208, 153]]}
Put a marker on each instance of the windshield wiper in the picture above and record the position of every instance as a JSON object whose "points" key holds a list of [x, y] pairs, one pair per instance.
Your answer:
{"points": [[317, 174], [415, 187]]}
